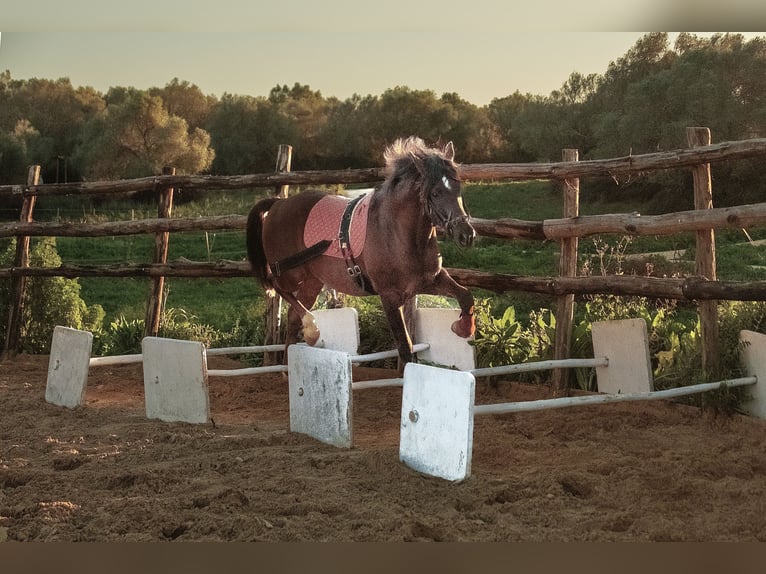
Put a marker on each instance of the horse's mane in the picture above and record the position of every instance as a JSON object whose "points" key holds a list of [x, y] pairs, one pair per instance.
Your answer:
{"points": [[411, 158]]}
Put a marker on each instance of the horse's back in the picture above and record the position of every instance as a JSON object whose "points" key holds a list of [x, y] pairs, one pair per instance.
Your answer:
{"points": [[283, 226]]}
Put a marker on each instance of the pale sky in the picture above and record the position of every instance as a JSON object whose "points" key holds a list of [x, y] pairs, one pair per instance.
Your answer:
{"points": [[336, 46]]}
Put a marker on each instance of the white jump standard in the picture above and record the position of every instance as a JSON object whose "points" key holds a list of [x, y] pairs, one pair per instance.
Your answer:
{"points": [[175, 371], [321, 387], [68, 366], [438, 405]]}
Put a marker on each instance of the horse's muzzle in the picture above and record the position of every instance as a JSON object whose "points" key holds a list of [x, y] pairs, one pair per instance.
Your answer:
{"points": [[463, 233]]}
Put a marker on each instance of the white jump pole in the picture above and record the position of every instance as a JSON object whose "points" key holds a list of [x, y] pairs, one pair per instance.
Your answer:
{"points": [[245, 351], [438, 409]]}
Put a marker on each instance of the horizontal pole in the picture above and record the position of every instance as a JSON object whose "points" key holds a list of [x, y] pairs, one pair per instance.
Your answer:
{"points": [[244, 350], [673, 159], [540, 366], [250, 371], [544, 404], [378, 383], [115, 360], [386, 354]]}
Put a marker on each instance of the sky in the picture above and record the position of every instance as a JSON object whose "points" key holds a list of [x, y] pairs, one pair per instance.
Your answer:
{"points": [[338, 47]]}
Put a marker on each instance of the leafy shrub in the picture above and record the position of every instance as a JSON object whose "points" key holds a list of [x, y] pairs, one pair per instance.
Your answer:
{"points": [[124, 336], [49, 301]]}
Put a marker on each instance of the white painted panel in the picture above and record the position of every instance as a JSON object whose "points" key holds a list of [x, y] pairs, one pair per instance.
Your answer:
{"points": [[626, 344], [175, 380], [68, 367], [437, 421], [754, 359], [434, 326], [321, 400], [338, 329]]}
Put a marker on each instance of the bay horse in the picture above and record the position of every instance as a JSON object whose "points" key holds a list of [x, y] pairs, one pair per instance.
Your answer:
{"points": [[299, 244]]}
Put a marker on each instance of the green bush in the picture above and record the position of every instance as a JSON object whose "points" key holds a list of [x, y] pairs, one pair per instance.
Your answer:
{"points": [[49, 301], [123, 336]]}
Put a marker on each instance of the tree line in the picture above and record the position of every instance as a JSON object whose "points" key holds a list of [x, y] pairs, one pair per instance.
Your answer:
{"points": [[640, 104]]}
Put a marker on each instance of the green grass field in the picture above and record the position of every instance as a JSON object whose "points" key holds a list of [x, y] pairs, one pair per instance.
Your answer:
{"points": [[222, 302]]}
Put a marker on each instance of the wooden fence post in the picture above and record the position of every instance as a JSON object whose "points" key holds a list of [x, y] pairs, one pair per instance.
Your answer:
{"points": [[274, 331], [161, 241], [567, 268], [705, 264], [15, 326]]}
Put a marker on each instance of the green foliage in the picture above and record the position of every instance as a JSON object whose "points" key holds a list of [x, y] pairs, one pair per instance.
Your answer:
{"points": [[123, 336], [505, 340], [136, 136], [49, 301]]}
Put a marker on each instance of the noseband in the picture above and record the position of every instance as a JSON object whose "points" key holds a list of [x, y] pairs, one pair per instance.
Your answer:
{"points": [[446, 221]]}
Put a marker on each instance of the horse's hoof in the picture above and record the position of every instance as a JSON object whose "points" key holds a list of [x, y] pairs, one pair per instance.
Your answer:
{"points": [[310, 331], [464, 327], [311, 337]]}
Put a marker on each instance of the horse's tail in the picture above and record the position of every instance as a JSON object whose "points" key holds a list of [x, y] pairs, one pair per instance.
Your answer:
{"points": [[255, 251]]}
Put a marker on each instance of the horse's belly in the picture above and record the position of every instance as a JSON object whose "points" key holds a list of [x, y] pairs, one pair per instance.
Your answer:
{"points": [[334, 274]]}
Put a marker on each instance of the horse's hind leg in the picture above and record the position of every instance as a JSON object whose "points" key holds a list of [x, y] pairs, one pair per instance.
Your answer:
{"points": [[299, 316]]}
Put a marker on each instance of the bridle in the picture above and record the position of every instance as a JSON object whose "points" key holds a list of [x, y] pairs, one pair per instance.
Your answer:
{"points": [[448, 220]]}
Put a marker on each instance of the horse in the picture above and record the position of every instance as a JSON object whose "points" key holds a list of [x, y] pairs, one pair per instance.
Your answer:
{"points": [[383, 243]]}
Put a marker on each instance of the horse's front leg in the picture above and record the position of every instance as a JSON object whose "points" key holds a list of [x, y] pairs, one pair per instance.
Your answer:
{"points": [[392, 307], [445, 285]]}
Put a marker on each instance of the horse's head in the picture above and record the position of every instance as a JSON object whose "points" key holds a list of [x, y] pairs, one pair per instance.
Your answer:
{"points": [[433, 174], [443, 199]]}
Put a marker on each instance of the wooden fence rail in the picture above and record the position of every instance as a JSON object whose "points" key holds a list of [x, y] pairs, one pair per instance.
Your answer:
{"points": [[689, 288], [566, 230], [632, 164], [507, 228]]}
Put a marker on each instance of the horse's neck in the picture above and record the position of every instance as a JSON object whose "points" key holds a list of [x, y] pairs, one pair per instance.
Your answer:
{"points": [[405, 221]]}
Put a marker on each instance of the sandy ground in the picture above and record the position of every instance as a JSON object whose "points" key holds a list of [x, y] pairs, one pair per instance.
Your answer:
{"points": [[631, 471]]}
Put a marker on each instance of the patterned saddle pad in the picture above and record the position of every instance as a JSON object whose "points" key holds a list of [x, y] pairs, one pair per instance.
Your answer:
{"points": [[324, 223]]}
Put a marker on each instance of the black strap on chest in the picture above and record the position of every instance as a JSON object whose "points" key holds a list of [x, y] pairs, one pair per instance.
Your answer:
{"points": [[344, 239]]}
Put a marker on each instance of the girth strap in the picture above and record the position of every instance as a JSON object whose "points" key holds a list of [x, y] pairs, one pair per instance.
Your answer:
{"points": [[344, 240], [298, 259]]}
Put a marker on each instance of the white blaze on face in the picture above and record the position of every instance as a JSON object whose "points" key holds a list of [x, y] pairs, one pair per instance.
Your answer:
{"points": [[446, 183]]}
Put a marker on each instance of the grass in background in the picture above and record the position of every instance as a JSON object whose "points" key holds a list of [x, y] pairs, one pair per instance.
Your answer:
{"points": [[221, 301]]}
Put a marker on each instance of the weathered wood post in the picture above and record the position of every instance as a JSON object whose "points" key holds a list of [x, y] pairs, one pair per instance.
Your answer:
{"points": [[15, 327], [567, 268], [705, 265], [274, 331], [161, 241]]}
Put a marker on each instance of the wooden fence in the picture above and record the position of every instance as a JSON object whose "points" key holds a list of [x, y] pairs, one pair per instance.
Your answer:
{"points": [[702, 287]]}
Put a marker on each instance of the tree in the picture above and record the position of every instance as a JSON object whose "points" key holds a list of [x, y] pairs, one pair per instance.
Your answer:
{"points": [[137, 136], [246, 132], [403, 112], [346, 139], [53, 110], [306, 112], [186, 101], [504, 114], [469, 129]]}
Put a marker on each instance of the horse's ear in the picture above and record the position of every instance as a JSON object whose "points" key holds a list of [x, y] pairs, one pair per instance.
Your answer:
{"points": [[449, 151]]}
